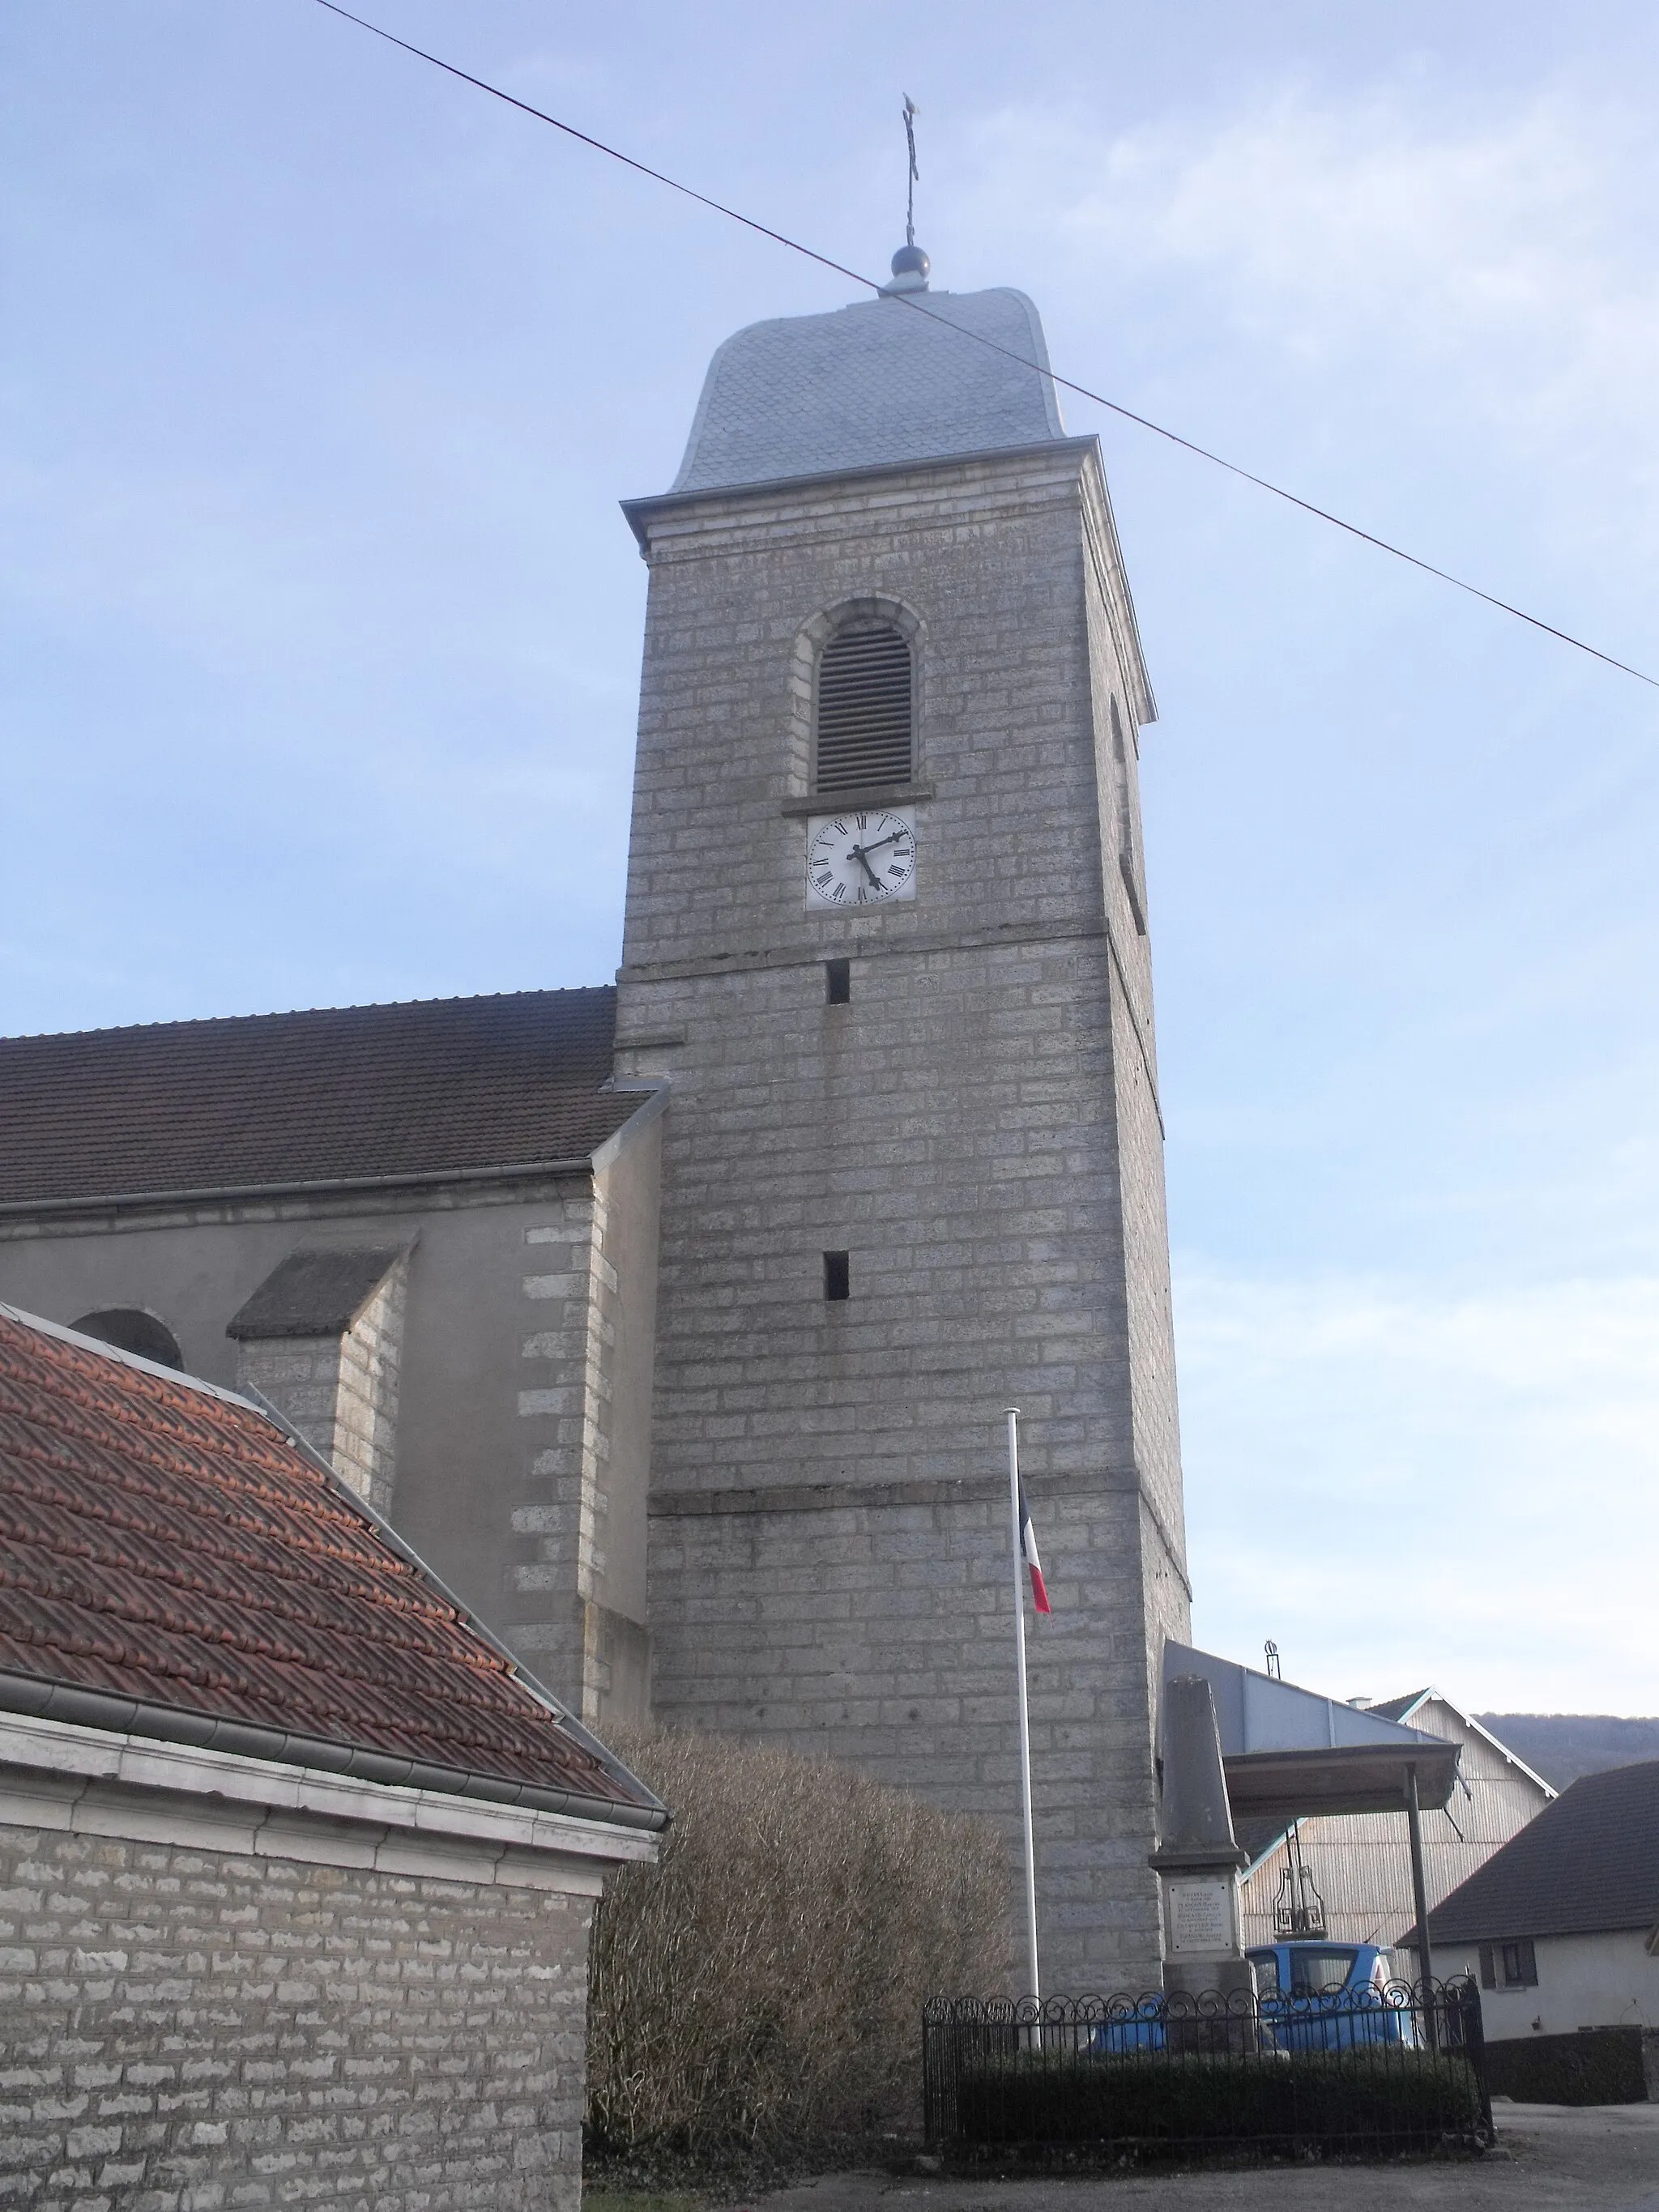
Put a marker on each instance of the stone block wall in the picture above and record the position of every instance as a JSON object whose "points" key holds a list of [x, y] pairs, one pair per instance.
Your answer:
{"points": [[188, 2028], [873, 1623], [341, 1391], [977, 1127], [575, 1600]]}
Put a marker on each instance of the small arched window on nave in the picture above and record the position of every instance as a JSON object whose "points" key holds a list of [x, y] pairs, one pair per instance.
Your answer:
{"points": [[129, 1328], [864, 736]]}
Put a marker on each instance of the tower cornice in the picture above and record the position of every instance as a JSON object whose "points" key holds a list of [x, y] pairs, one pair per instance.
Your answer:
{"points": [[677, 524]]}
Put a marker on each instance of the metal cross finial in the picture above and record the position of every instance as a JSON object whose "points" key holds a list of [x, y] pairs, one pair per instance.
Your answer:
{"points": [[911, 112]]}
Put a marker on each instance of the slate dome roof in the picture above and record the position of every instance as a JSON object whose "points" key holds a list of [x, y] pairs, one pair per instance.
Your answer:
{"points": [[889, 380]]}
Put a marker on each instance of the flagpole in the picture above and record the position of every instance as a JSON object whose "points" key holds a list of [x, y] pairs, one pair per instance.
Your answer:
{"points": [[1025, 1723]]}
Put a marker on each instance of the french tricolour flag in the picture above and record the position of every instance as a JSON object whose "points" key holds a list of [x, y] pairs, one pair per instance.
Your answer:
{"points": [[1028, 1552]]}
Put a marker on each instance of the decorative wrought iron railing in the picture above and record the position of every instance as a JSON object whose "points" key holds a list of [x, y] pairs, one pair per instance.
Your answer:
{"points": [[1377, 2069]]}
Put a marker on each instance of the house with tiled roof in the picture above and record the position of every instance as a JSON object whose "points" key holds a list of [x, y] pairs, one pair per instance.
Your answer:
{"points": [[297, 1862], [1561, 1926], [673, 1320]]}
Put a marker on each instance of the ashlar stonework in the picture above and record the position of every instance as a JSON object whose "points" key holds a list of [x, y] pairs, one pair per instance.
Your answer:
{"points": [[192, 2028]]}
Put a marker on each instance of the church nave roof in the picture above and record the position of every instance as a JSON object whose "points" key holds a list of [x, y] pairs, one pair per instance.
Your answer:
{"points": [[352, 1094]]}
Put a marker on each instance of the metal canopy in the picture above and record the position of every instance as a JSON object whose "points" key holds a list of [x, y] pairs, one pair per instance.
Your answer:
{"points": [[1288, 1753]]}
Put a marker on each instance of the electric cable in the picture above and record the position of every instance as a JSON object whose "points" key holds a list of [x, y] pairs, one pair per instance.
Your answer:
{"points": [[1064, 383]]}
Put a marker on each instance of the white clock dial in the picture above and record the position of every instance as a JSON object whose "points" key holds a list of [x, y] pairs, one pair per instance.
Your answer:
{"points": [[866, 858]]}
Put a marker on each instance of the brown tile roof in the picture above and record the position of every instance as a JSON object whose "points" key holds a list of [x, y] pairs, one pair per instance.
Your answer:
{"points": [[435, 1087], [163, 1542]]}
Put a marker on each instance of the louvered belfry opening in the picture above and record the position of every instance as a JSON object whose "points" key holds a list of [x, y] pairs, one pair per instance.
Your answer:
{"points": [[865, 715]]}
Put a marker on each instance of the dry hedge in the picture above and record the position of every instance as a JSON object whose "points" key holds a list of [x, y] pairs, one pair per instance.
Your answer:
{"points": [[763, 1987]]}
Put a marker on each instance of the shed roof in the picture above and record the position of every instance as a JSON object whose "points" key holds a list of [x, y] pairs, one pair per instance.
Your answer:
{"points": [[313, 1293], [173, 1564], [1588, 1864], [888, 380], [1289, 1753], [435, 1087]]}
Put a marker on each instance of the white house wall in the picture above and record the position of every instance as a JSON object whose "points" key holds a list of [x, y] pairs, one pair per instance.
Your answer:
{"points": [[1584, 1981]]}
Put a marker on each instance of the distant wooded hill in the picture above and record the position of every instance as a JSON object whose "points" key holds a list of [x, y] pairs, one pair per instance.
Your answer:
{"points": [[1563, 1745]]}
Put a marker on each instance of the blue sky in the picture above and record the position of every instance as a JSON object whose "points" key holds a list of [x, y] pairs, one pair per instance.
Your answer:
{"points": [[323, 376]]}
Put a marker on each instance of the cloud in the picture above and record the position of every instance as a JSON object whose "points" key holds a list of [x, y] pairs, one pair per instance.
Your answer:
{"points": [[1373, 256], [1400, 1483]]}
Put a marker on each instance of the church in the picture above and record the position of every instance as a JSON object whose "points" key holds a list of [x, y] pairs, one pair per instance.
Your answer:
{"points": [[672, 1321]]}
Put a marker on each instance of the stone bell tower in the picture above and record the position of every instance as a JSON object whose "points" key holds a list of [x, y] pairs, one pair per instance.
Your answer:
{"points": [[886, 943]]}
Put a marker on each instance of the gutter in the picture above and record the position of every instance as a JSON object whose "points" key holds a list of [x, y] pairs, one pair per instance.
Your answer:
{"points": [[406, 1180], [329, 1186], [38, 1699]]}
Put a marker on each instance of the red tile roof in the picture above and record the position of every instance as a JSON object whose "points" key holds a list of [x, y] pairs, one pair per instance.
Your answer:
{"points": [[438, 1086], [163, 1542]]}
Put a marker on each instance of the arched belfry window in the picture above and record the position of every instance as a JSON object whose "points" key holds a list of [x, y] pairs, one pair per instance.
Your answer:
{"points": [[866, 709]]}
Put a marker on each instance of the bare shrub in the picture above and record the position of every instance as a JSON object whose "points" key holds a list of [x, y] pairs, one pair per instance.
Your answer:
{"points": [[763, 1987]]}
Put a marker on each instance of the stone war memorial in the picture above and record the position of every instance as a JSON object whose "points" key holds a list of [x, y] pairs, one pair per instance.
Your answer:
{"points": [[672, 1320]]}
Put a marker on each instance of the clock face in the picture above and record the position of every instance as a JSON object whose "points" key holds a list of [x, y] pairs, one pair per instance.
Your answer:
{"points": [[867, 858]]}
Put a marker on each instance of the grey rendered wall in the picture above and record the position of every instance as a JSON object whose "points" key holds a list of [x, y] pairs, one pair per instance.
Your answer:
{"points": [[508, 1391], [199, 2027], [830, 1550]]}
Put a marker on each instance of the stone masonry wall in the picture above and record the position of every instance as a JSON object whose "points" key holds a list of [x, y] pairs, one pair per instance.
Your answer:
{"points": [[182, 2029], [366, 1412], [575, 1600], [341, 1392], [977, 1127]]}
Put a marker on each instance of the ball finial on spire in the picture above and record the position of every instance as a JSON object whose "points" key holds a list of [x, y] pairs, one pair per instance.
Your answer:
{"points": [[910, 268]]}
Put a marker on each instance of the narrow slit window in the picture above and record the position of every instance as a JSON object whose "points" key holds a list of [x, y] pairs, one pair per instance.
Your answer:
{"points": [[837, 1277], [837, 983], [865, 711]]}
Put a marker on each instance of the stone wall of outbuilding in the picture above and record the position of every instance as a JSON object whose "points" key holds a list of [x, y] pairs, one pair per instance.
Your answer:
{"points": [[186, 2028]]}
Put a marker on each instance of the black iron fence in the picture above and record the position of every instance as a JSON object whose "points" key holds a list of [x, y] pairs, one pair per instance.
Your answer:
{"points": [[1376, 2070]]}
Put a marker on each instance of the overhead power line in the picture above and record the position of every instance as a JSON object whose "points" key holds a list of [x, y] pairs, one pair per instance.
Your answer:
{"points": [[917, 305]]}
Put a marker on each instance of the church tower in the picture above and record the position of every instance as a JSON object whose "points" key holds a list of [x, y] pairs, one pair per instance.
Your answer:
{"points": [[886, 944]]}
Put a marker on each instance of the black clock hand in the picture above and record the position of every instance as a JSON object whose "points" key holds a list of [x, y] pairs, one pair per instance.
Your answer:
{"points": [[891, 839], [859, 855]]}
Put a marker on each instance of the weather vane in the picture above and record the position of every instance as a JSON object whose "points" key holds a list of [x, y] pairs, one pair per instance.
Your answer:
{"points": [[911, 112]]}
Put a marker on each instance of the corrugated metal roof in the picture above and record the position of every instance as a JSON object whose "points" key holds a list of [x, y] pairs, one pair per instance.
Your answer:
{"points": [[162, 1541], [1588, 1864], [436, 1086]]}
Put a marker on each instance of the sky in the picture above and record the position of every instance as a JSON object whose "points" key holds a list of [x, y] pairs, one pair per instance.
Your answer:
{"points": [[323, 375]]}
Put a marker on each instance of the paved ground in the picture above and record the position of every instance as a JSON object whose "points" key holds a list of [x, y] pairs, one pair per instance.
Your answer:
{"points": [[1604, 2156]]}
